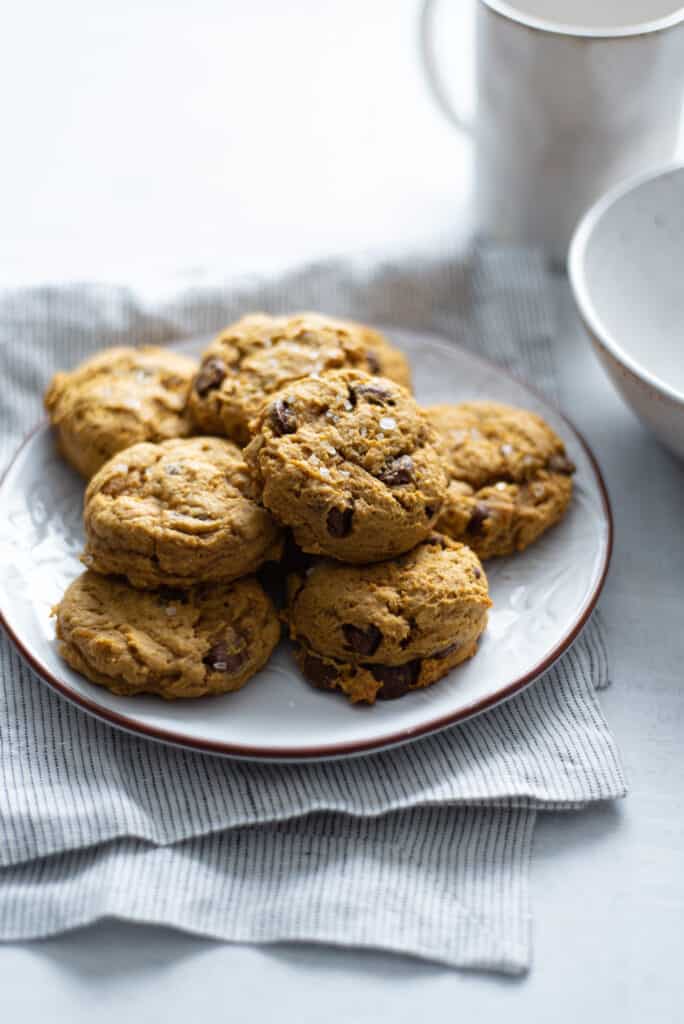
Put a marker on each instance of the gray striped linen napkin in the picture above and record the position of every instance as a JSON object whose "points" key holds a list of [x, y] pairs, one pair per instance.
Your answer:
{"points": [[422, 850]]}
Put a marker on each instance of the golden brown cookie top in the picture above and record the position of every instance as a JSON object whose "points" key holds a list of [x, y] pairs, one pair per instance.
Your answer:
{"points": [[510, 479], [349, 462], [207, 640], [119, 397], [487, 442], [422, 604], [177, 513], [260, 354]]}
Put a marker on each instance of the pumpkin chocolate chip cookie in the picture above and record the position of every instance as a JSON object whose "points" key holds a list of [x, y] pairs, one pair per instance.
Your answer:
{"points": [[258, 355], [378, 631], [119, 397], [208, 640], [177, 513], [349, 462], [510, 478]]}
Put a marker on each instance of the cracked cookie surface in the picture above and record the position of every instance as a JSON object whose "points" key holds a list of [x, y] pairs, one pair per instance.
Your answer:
{"points": [[510, 479], [379, 631], [349, 462], [208, 640], [119, 397], [177, 513], [259, 354]]}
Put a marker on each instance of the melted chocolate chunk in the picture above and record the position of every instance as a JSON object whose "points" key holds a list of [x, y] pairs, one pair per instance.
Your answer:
{"points": [[375, 393], [283, 419], [211, 375], [363, 641], [446, 651], [173, 595], [396, 679], [398, 471], [413, 629], [319, 673], [220, 659], [561, 464], [339, 521], [478, 517]]}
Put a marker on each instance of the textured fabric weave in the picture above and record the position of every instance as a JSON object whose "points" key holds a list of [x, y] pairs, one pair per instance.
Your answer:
{"points": [[424, 849]]}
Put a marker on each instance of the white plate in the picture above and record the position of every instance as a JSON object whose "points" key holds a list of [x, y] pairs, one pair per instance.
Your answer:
{"points": [[542, 599]]}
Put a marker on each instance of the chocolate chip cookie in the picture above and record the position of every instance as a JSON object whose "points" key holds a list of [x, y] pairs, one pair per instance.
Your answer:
{"points": [[350, 463], [258, 355], [208, 640], [119, 397], [378, 631], [510, 478], [177, 513]]}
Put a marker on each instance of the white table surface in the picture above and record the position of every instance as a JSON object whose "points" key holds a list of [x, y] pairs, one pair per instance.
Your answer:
{"points": [[162, 144]]}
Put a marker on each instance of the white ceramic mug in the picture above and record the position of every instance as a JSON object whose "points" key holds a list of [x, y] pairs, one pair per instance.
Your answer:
{"points": [[571, 96]]}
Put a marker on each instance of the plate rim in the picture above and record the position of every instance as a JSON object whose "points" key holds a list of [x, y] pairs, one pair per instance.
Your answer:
{"points": [[354, 748]]}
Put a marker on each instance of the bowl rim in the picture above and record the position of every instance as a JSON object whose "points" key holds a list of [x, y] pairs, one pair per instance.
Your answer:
{"points": [[577, 275], [578, 30]]}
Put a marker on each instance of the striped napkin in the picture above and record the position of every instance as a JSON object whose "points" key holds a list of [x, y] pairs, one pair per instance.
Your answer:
{"points": [[423, 850]]}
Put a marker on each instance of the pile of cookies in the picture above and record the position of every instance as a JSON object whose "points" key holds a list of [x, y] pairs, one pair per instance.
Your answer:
{"points": [[290, 476]]}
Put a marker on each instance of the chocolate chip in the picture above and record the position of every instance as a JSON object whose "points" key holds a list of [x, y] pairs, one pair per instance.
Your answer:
{"points": [[478, 517], [374, 393], [477, 573], [373, 362], [429, 511], [319, 673], [339, 521], [363, 641], [211, 375], [172, 595], [220, 659], [446, 651], [561, 464], [410, 636], [396, 679], [283, 419], [397, 471]]}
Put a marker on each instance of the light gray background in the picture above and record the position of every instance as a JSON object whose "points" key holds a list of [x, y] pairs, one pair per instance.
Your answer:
{"points": [[608, 883]]}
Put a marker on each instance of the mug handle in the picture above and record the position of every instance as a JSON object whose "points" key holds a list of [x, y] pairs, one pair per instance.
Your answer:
{"points": [[431, 71]]}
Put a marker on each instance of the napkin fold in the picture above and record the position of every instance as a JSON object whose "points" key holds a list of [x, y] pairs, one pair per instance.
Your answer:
{"points": [[423, 849]]}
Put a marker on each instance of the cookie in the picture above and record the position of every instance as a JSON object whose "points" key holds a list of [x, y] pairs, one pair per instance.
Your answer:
{"points": [[208, 640], [379, 631], [510, 478], [260, 354], [350, 463], [177, 513], [119, 397]]}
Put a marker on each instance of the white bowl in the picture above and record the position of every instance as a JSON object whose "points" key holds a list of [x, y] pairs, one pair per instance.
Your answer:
{"points": [[626, 267]]}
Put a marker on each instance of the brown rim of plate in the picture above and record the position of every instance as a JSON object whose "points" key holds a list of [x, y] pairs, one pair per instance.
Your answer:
{"points": [[339, 750]]}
